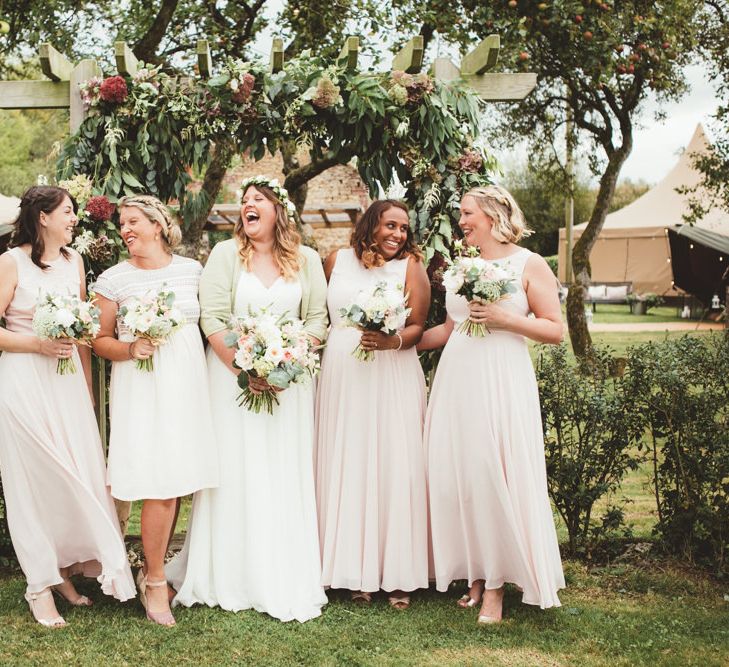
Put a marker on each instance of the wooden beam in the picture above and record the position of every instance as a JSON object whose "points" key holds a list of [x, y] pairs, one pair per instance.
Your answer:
{"points": [[84, 71], [483, 57], [277, 54], [350, 51], [34, 94], [445, 70], [204, 59], [502, 87], [410, 57], [54, 64], [126, 61]]}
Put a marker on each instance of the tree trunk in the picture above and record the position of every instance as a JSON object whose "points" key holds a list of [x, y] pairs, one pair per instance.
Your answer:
{"points": [[576, 322], [297, 191], [146, 48], [192, 234]]}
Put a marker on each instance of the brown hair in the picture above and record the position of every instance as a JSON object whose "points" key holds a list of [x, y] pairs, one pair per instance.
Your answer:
{"points": [[363, 241], [36, 200], [286, 240], [157, 212]]}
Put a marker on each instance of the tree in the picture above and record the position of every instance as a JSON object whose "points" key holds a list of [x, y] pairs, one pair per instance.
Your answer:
{"points": [[596, 60], [713, 190]]}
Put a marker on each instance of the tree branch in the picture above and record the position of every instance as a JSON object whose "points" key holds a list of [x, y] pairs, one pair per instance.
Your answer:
{"points": [[146, 48]]}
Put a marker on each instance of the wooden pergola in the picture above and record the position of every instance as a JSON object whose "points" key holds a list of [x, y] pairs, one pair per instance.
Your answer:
{"points": [[61, 88]]}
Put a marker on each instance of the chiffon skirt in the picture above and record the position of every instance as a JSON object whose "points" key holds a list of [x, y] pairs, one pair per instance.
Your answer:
{"points": [[370, 468], [490, 512], [59, 511], [162, 442], [252, 542]]}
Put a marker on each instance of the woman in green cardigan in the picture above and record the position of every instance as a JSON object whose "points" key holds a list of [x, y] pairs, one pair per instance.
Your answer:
{"points": [[253, 541]]}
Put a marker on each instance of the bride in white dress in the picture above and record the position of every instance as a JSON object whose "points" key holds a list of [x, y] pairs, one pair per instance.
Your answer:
{"points": [[253, 541]]}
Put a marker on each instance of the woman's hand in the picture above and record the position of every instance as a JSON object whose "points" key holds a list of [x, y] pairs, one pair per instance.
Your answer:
{"points": [[377, 340], [259, 385], [141, 348], [489, 314], [58, 348]]}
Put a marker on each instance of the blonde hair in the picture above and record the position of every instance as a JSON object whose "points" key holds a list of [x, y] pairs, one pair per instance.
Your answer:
{"points": [[286, 239], [508, 224], [157, 212]]}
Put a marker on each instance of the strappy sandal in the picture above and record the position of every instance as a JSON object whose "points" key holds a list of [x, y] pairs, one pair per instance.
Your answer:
{"points": [[31, 598], [79, 601], [361, 597], [400, 602], [164, 618], [466, 602]]}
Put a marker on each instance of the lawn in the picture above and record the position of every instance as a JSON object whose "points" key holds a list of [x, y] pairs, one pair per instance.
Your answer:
{"points": [[620, 313], [640, 610]]}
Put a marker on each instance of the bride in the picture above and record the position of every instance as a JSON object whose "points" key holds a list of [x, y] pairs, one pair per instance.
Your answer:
{"points": [[253, 542]]}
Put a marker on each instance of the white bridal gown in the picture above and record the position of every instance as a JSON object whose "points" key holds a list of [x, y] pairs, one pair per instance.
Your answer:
{"points": [[253, 542]]}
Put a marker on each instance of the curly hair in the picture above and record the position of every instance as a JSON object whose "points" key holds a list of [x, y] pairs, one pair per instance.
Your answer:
{"points": [[157, 212], [36, 200], [363, 235], [508, 224], [286, 239]]}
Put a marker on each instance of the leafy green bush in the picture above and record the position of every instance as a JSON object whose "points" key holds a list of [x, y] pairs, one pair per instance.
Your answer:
{"points": [[6, 546], [591, 436], [680, 388], [553, 263]]}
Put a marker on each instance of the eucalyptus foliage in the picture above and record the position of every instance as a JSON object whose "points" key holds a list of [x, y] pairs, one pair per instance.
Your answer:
{"points": [[167, 129]]}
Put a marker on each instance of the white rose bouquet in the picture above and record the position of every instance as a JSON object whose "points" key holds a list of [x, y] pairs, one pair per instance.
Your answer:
{"points": [[153, 317], [474, 278], [274, 348], [382, 309], [59, 316]]}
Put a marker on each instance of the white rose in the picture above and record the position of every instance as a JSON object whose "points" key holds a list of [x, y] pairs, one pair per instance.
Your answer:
{"points": [[64, 317], [453, 281], [274, 354], [244, 359]]}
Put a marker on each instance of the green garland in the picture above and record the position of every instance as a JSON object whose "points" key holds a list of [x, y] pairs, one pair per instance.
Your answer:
{"points": [[152, 132]]}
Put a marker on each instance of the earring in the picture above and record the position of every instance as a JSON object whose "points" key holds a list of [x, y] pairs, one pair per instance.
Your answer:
{"points": [[156, 237]]}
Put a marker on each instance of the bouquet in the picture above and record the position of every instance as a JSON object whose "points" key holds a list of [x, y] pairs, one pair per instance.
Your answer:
{"points": [[477, 280], [382, 309], [58, 316], [153, 317], [274, 348]]}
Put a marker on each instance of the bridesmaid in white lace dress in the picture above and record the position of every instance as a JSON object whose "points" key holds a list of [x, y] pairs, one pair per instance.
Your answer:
{"points": [[490, 514], [60, 514], [252, 543], [162, 445], [370, 466]]}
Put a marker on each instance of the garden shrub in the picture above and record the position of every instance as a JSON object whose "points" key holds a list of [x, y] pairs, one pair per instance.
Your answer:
{"points": [[6, 546], [591, 438], [680, 388]]}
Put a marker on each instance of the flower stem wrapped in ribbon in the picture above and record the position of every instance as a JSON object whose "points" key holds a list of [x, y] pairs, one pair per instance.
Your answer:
{"points": [[153, 317], [383, 308], [58, 316], [476, 279], [274, 348]]}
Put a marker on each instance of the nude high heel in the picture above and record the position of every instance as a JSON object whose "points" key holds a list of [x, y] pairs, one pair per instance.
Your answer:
{"points": [[31, 598], [160, 617]]}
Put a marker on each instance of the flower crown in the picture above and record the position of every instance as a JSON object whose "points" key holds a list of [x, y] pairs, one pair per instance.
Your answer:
{"points": [[272, 184]]}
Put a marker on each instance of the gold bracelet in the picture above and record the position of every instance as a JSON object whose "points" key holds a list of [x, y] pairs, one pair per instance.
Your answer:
{"points": [[399, 347], [129, 351]]}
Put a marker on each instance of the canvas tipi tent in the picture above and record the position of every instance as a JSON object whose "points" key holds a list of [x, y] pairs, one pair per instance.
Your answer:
{"points": [[633, 244]]}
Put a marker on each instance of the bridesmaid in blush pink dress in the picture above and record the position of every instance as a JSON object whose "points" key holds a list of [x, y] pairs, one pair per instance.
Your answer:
{"points": [[61, 517], [370, 467], [490, 513]]}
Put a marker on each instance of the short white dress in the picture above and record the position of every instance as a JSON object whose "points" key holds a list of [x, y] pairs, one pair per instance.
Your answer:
{"points": [[162, 443]]}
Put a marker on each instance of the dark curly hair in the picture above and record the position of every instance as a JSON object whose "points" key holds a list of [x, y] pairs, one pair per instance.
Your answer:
{"points": [[37, 199], [363, 241]]}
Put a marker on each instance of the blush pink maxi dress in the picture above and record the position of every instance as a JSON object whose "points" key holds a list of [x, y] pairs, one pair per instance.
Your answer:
{"points": [[490, 512], [370, 463], [59, 510]]}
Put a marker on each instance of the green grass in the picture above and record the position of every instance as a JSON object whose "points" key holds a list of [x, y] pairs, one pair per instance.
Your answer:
{"points": [[620, 313], [622, 615]]}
